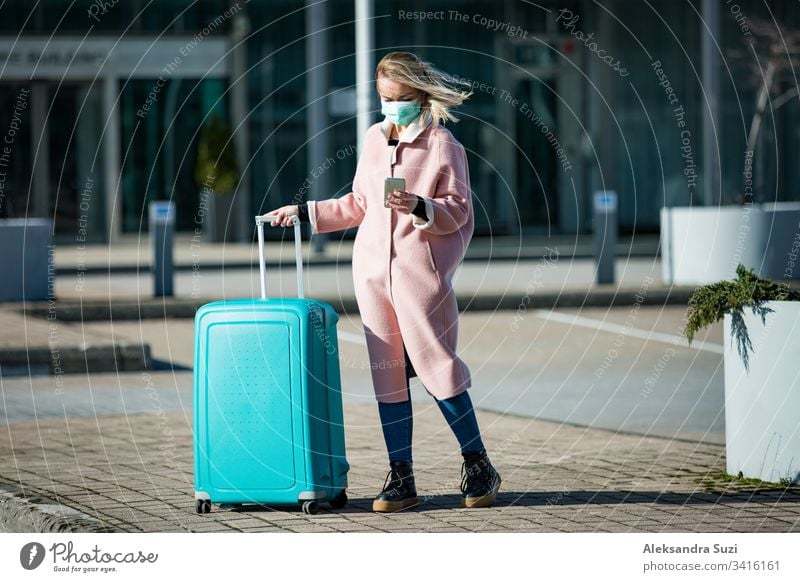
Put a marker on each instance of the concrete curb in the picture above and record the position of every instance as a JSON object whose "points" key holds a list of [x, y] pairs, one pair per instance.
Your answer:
{"points": [[119, 356], [32, 513], [121, 309]]}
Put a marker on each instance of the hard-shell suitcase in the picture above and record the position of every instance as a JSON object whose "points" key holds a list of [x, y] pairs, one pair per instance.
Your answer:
{"points": [[268, 421]]}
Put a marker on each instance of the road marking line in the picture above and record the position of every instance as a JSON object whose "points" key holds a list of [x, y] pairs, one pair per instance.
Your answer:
{"points": [[675, 340]]}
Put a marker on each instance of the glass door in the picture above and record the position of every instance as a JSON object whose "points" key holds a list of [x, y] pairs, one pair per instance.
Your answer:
{"points": [[16, 166], [537, 177], [540, 112], [76, 190]]}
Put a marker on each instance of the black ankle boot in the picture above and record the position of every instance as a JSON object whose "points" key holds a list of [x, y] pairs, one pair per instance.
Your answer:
{"points": [[399, 491], [480, 481]]}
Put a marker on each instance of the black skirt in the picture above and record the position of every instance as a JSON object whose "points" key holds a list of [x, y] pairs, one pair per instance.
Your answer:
{"points": [[410, 372]]}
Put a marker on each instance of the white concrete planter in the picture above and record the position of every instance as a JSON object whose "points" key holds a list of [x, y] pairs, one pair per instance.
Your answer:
{"points": [[762, 406], [701, 245]]}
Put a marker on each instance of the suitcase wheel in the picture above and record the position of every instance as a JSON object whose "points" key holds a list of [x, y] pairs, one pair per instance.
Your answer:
{"points": [[340, 500], [202, 506], [310, 507]]}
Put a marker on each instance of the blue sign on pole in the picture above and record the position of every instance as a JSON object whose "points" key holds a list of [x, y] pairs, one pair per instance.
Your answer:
{"points": [[162, 212], [162, 225], [605, 234], [605, 201]]}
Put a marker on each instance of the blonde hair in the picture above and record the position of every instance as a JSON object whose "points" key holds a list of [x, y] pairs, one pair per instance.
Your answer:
{"points": [[439, 91]]}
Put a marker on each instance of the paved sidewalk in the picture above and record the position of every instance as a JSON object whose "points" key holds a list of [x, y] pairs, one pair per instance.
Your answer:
{"points": [[134, 473]]}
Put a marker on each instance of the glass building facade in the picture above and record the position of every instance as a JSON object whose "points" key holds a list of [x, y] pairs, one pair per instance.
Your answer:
{"points": [[569, 98]]}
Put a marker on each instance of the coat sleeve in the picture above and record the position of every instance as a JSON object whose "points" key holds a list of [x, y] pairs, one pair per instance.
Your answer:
{"points": [[450, 206], [339, 213]]}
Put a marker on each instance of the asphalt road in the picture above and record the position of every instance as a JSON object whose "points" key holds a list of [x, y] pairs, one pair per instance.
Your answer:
{"points": [[625, 369]]}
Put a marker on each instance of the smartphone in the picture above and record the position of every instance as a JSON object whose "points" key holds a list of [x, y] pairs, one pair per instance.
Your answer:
{"points": [[390, 185]]}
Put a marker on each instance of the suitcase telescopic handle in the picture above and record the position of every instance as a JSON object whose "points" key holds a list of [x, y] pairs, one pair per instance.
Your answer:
{"points": [[298, 254]]}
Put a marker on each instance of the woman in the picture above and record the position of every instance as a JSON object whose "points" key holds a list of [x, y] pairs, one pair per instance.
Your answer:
{"points": [[405, 253]]}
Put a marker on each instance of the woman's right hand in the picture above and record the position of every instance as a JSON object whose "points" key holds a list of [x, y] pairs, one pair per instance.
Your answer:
{"points": [[283, 215]]}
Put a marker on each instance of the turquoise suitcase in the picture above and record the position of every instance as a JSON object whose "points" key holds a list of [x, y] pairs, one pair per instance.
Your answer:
{"points": [[268, 419]]}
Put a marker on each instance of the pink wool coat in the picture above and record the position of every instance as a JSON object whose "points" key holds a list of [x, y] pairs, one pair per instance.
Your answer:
{"points": [[402, 265]]}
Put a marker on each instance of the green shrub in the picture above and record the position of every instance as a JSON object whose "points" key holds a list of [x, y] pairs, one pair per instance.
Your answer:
{"points": [[709, 303]]}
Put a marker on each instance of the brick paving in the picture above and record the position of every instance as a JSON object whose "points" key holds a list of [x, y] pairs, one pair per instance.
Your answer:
{"points": [[134, 474]]}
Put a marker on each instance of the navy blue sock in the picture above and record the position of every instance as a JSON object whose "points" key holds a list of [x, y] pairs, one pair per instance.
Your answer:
{"points": [[397, 423], [460, 415]]}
